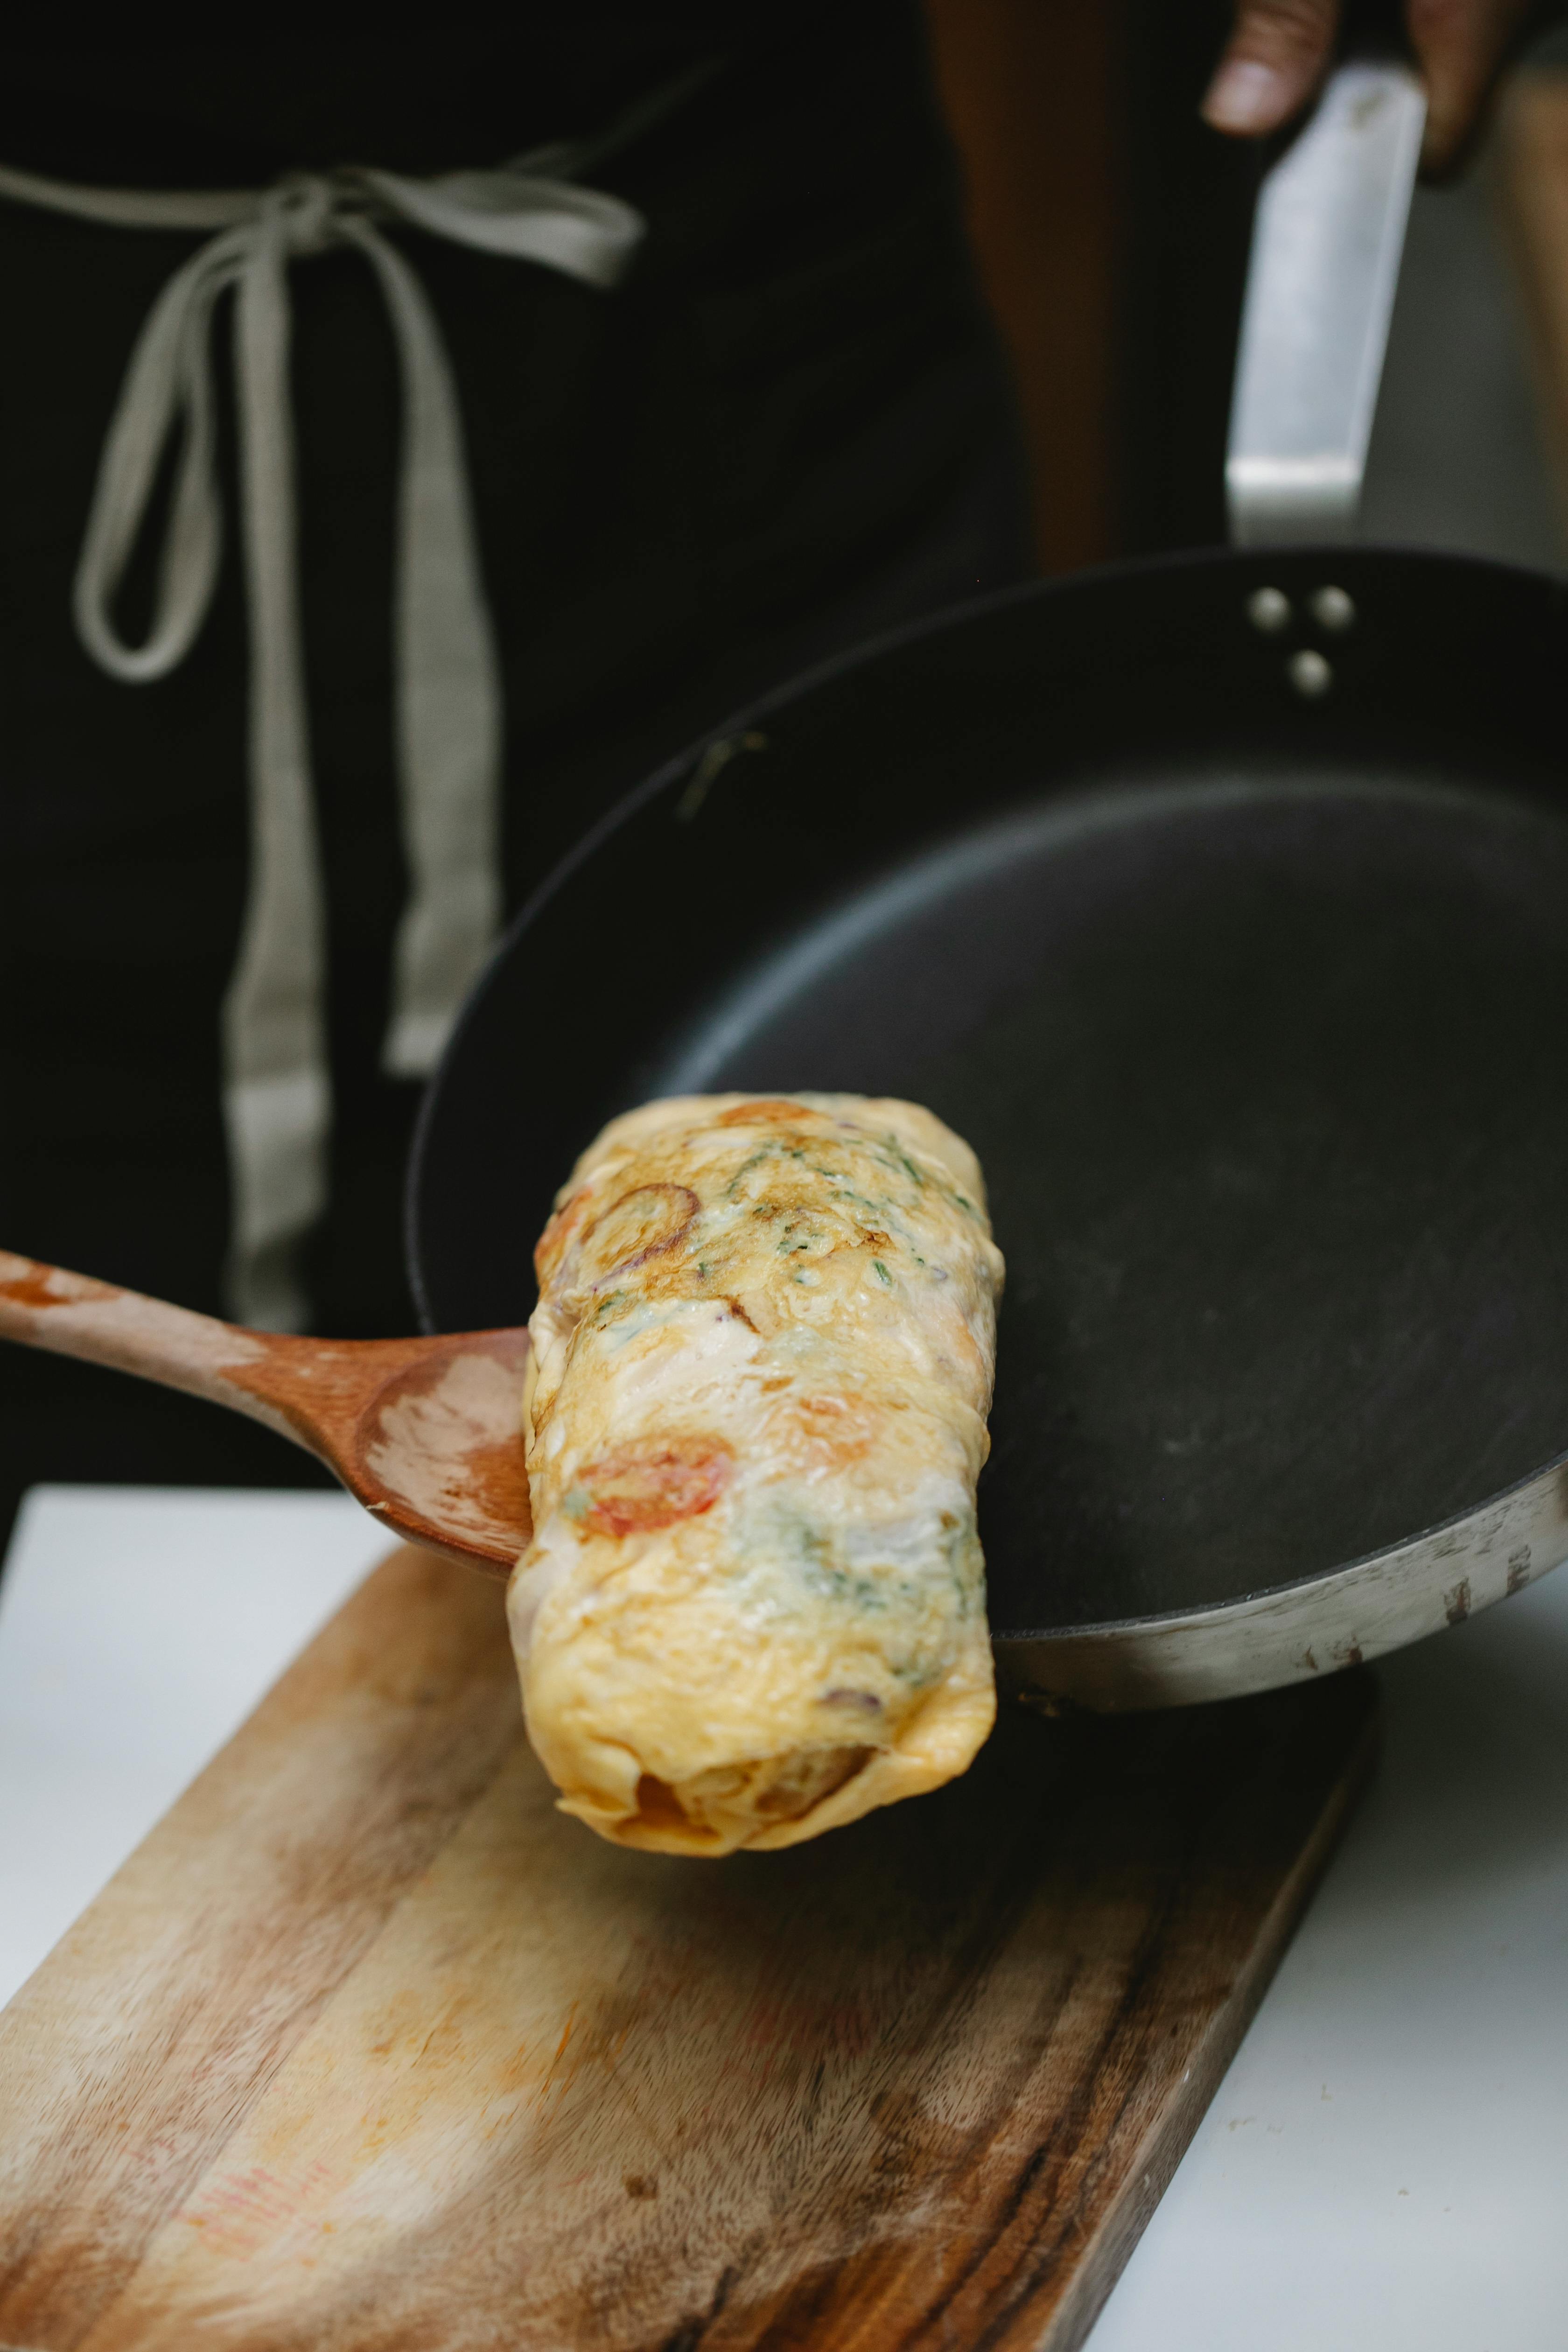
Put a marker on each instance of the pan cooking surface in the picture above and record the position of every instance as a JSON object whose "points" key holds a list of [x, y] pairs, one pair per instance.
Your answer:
{"points": [[1255, 1010], [1268, 1085]]}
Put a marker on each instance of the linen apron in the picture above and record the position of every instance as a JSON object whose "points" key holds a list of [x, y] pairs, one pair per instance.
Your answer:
{"points": [[527, 473]]}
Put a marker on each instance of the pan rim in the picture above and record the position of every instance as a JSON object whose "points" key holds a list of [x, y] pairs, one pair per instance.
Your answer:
{"points": [[1244, 562], [1322, 1581], [1418, 1561]]}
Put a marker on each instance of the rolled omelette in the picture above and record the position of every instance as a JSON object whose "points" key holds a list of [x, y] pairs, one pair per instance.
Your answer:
{"points": [[754, 1607]]}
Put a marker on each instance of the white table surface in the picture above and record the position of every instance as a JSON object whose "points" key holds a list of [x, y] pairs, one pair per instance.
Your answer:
{"points": [[1386, 2163]]}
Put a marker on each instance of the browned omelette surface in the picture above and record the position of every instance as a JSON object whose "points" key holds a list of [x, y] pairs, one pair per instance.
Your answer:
{"points": [[753, 1608]]}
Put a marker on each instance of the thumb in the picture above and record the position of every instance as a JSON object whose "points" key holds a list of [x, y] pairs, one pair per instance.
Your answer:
{"points": [[1273, 62]]}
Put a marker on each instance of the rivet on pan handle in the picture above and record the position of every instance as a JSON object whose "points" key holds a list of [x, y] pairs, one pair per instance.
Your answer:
{"points": [[1326, 247]]}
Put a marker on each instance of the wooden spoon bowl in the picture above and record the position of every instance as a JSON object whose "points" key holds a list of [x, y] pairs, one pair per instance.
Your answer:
{"points": [[427, 1433]]}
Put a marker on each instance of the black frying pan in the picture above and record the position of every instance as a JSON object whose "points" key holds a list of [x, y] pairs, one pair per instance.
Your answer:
{"points": [[1255, 1007], [1223, 905]]}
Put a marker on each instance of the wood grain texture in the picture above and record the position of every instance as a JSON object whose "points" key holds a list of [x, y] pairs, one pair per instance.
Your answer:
{"points": [[425, 1433], [370, 2047]]}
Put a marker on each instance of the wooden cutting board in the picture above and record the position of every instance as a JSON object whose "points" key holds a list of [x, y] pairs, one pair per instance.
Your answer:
{"points": [[367, 2046]]}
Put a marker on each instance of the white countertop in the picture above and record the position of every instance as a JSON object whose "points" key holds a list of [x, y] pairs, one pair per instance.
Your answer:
{"points": [[1386, 2163]]}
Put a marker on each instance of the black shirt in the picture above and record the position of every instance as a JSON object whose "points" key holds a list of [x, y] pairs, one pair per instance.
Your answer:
{"points": [[787, 429], [206, 114]]}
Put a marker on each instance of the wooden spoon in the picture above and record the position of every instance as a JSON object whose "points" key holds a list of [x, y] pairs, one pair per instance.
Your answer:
{"points": [[427, 1433]]}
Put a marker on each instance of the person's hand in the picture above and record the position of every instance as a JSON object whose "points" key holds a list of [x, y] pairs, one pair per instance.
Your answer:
{"points": [[1281, 50]]}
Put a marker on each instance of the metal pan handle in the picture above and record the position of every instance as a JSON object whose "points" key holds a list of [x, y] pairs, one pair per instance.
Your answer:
{"points": [[1326, 246]]}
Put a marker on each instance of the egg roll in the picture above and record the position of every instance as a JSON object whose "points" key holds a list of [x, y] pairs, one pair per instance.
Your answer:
{"points": [[754, 1606]]}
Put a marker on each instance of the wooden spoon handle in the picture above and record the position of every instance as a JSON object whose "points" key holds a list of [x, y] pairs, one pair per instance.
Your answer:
{"points": [[72, 1315]]}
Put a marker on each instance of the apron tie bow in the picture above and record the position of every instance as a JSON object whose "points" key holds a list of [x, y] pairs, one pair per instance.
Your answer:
{"points": [[449, 704]]}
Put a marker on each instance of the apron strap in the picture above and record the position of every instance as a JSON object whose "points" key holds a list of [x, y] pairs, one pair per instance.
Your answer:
{"points": [[277, 1088]]}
